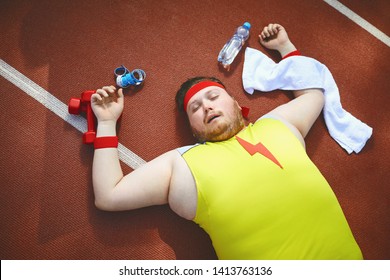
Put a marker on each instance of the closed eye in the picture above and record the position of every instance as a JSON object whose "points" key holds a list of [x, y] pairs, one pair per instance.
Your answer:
{"points": [[195, 107], [213, 96]]}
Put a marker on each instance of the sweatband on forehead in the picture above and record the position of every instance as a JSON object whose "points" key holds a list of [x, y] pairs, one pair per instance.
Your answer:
{"points": [[196, 88]]}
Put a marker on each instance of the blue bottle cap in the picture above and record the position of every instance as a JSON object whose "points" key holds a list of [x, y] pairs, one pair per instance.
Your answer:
{"points": [[247, 25]]}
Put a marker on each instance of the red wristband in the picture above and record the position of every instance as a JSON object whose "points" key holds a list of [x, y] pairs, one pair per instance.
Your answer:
{"points": [[296, 52], [106, 142]]}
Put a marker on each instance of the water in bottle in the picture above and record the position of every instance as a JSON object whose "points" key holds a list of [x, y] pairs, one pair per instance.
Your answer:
{"points": [[234, 45]]}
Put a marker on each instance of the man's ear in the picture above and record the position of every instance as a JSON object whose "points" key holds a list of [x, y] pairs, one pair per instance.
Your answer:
{"points": [[238, 105], [244, 110]]}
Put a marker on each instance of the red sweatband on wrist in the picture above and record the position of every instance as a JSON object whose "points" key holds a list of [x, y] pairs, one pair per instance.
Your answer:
{"points": [[296, 52], [106, 142], [197, 87]]}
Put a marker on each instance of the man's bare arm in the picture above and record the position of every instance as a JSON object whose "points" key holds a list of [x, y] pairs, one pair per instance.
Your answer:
{"points": [[304, 109], [146, 186], [113, 191]]}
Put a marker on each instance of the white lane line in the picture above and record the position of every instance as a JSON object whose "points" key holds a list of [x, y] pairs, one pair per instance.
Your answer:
{"points": [[59, 108], [360, 21]]}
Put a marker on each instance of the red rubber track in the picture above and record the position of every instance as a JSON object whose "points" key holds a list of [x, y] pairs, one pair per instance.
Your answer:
{"points": [[67, 47]]}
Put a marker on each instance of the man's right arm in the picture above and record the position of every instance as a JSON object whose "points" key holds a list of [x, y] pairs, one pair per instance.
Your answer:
{"points": [[146, 186], [166, 179]]}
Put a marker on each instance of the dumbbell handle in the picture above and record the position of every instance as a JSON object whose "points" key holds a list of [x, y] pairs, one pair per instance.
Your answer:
{"points": [[90, 135]]}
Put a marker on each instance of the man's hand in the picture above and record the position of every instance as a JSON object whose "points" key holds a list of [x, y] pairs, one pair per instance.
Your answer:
{"points": [[275, 37], [107, 103]]}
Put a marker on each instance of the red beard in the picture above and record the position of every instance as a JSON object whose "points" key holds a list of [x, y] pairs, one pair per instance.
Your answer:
{"points": [[222, 130]]}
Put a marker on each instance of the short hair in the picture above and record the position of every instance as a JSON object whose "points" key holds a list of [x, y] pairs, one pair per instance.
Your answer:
{"points": [[181, 93]]}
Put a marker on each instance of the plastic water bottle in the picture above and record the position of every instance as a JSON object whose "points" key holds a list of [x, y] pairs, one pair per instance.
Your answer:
{"points": [[234, 45]]}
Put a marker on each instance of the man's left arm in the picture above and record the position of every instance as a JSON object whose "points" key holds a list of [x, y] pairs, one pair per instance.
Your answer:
{"points": [[303, 110]]}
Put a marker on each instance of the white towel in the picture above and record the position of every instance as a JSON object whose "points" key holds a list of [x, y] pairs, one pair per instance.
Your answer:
{"points": [[300, 72]]}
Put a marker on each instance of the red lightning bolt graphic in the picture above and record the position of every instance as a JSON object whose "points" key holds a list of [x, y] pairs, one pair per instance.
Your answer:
{"points": [[258, 148]]}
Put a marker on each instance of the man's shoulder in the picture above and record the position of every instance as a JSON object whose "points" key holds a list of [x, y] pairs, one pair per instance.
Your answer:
{"points": [[279, 119], [182, 150]]}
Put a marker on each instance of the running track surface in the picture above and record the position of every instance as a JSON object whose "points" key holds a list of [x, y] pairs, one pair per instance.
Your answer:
{"points": [[54, 50]]}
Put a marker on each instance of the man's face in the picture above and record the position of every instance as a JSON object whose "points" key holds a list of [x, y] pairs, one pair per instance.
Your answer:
{"points": [[214, 115]]}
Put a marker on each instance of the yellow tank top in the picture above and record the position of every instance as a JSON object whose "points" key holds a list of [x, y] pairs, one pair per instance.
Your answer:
{"points": [[261, 197]]}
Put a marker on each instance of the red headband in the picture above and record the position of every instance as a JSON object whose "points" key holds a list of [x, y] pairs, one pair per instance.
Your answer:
{"points": [[196, 88]]}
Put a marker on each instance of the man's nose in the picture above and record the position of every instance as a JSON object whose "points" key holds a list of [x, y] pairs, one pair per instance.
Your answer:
{"points": [[208, 105]]}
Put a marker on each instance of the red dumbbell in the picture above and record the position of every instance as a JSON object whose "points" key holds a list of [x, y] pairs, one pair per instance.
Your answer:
{"points": [[83, 104]]}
